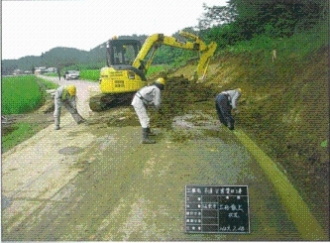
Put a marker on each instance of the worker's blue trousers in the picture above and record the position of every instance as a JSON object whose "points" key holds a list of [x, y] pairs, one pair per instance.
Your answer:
{"points": [[224, 108]]}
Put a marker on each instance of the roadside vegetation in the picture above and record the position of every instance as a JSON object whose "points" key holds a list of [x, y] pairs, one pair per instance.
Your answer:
{"points": [[21, 95], [50, 74], [278, 54], [90, 74], [280, 59], [16, 134], [284, 106]]}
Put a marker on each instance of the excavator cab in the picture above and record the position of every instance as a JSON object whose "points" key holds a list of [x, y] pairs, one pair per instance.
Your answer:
{"points": [[122, 52], [119, 80], [120, 76]]}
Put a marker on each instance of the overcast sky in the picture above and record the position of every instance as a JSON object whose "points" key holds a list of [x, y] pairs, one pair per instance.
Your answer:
{"points": [[32, 27]]}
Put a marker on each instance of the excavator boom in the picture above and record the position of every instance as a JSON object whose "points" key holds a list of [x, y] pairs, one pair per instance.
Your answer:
{"points": [[155, 40], [128, 63]]}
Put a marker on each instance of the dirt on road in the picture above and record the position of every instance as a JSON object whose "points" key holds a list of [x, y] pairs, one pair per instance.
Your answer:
{"points": [[96, 181]]}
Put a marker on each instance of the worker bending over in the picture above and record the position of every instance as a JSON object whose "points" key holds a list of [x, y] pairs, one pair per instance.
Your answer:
{"points": [[145, 97], [66, 95], [225, 102]]}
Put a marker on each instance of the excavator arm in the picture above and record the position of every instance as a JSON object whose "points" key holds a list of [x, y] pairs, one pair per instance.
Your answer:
{"points": [[127, 66], [156, 40]]}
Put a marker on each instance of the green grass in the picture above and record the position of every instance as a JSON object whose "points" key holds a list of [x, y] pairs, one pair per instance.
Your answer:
{"points": [[19, 133], [297, 46], [51, 74], [21, 98], [45, 84], [90, 74], [156, 69], [20, 94]]}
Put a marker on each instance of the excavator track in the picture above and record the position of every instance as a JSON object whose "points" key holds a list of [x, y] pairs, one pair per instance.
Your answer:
{"points": [[103, 102]]}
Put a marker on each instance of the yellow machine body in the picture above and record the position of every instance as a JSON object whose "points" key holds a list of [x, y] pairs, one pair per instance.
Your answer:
{"points": [[114, 81]]}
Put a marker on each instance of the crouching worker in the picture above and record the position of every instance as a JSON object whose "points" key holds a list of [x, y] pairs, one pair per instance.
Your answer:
{"points": [[145, 97], [225, 102], [66, 96]]}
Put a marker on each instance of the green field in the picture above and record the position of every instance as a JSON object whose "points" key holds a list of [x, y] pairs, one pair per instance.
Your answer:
{"points": [[90, 74], [20, 94]]}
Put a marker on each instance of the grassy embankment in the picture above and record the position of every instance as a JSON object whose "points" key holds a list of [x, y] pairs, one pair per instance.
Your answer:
{"points": [[21, 94], [285, 105]]}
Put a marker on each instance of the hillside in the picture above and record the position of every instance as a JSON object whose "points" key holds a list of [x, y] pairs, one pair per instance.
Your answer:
{"points": [[285, 109], [63, 57], [56, 57], [289, 117]]}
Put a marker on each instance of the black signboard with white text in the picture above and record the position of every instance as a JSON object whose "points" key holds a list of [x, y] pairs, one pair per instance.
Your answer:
{"points": [[217, 209]]}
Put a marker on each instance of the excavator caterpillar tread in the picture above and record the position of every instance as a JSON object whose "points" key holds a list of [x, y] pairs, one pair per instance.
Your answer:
{"points": [[103, 102]]}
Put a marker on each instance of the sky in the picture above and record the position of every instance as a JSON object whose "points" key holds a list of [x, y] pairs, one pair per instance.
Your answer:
{"points": [[32, 27]]}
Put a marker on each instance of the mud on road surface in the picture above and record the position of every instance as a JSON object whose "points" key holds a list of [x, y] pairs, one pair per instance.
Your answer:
{"points": [[98, 182]]}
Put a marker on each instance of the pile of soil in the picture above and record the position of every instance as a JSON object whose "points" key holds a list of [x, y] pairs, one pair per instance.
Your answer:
{"points": [[179, 97]]}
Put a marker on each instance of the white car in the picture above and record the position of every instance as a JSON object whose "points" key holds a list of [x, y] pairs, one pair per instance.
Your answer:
{"points": [[72, 74]]}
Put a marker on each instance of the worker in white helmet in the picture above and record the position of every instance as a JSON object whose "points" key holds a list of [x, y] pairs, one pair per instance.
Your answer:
{"points": [[66, 96], [147, 96], [225, 102]]}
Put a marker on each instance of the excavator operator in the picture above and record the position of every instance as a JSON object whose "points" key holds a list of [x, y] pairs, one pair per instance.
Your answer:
{"points": [[66, 95], [147, 96]]}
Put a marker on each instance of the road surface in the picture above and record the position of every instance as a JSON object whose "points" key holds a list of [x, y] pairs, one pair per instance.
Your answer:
{"points": [[98, 182]]}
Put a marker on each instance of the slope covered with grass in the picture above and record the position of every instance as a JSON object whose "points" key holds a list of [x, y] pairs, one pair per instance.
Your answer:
{"points": [[285, 104]]}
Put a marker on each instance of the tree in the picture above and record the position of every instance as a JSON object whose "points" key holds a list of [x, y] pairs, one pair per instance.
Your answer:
{"points": [[216, 16], [277, 18]]}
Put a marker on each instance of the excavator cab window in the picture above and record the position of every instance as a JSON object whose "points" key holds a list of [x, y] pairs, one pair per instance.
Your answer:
{"points": [[122, 52]]}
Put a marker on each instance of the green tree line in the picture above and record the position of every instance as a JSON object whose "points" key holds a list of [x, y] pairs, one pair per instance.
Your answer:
{"points": [[242, 20]]}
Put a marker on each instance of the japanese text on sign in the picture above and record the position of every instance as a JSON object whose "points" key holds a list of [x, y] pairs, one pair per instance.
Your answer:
{"points": [[217, 209]]}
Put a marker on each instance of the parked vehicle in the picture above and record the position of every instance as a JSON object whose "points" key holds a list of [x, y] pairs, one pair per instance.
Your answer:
{"points": [[72, 74]]}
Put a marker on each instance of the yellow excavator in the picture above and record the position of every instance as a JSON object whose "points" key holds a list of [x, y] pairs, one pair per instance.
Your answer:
{"points": [[128, 62]]}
